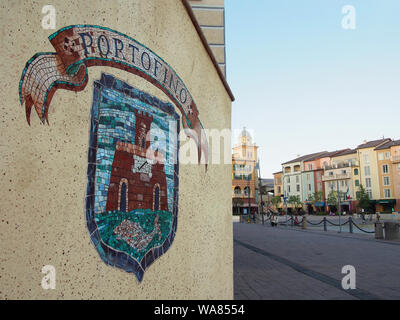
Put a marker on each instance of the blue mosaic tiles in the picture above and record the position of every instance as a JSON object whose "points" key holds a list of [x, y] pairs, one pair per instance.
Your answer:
{"points": [[134, 238]]}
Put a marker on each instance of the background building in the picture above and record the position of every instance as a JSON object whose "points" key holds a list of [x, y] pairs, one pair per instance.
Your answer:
{"points": [[395, 157], [388, 176], [342, 178], [292, 177], [244, 174], [369, 167], [373, 164], [278, 185]]}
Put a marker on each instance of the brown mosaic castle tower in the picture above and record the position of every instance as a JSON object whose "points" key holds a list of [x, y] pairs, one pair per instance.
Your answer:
{"points": [[138, 178]]}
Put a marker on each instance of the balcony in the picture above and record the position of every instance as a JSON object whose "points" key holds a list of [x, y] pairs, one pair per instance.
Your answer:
{"points": [[343, 165], [396, 159], [342, 176]]}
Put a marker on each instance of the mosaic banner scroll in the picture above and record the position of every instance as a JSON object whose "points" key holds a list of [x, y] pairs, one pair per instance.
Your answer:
{"points": [[81, 46]]}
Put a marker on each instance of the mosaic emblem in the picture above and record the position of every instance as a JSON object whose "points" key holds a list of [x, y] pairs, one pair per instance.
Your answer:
{"points": [[132, 193]]}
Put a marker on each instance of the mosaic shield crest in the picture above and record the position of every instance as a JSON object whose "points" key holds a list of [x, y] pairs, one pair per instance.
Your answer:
{"points": [[132, 191]]}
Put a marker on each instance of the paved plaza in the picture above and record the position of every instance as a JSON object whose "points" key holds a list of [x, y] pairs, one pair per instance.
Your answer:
{"points": [[290, 263]]}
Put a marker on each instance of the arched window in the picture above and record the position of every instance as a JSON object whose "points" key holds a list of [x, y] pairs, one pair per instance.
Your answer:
{"points": [[156, 197], [123, 195], [122, 200], [237, 190], [246, 191], [143, 143]]}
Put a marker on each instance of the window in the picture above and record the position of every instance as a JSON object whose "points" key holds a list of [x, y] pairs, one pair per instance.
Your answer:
{"points": [[387, 155], [368, 182], [357, 182], [331, 173], [246, 191], [289, 189], [297, 179], [367, 170], [369, 192], [309, 187], [380, 156], [387, 193], [308, 176], [356, 172], [122, 200], [237, 191], [288, 179], [279, 189], [385, 168], [344, 171], [309, 166], [366, 158], [398, 166], [157, 198], [297, 187], [386, 181], [319, 186]]}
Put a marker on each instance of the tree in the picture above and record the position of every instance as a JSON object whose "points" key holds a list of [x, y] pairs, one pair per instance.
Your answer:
{"points": [[332, 198], [237, 202], [317, 197], [276, 201], [363, 199], [295, 201]]}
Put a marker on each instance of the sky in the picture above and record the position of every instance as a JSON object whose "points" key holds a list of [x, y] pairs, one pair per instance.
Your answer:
{"points": [[303, 83]]}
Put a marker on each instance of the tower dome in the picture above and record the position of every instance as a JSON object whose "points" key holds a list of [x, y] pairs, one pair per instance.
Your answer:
{"points": [[245, 137]]}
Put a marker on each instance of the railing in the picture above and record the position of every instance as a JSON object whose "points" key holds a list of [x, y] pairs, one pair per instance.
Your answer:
{"points": [[342, 165], [327, 177]]}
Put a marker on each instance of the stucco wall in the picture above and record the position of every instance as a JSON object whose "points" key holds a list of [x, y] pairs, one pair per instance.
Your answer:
{"points": [[43, 168]]}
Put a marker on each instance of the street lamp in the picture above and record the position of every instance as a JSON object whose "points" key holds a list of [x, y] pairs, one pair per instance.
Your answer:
{"points": [[248, 193], [338, 199], [285, 198], [338, 196]]}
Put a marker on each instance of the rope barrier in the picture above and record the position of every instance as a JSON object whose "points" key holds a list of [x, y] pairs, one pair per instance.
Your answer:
{"points": [[299, 223], [338, 225], [361, 228], [315, 224]]}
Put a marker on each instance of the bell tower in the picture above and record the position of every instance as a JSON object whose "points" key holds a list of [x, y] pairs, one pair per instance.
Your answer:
{"points": [[143, 124]]}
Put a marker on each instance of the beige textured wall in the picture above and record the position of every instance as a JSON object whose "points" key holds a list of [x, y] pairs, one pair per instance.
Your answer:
{"points": [[43, 168]]}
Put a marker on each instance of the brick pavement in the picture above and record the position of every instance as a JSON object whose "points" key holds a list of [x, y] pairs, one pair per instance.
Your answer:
{"points": [[285, 263]]}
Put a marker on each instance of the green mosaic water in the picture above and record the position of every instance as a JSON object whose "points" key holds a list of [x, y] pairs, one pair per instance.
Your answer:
{"points": [[108, 221]]}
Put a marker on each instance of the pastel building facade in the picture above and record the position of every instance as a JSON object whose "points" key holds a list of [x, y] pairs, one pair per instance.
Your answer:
{"points": [[373, 164], [342, 177], [395, 157], [388, 174], [278, 185], [244, 175], [292, 176], [369, 167], [313, 174]]}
